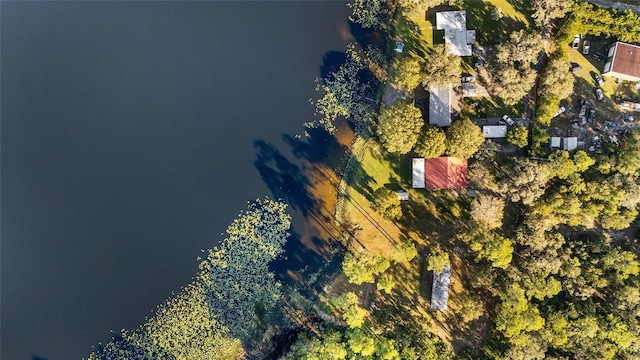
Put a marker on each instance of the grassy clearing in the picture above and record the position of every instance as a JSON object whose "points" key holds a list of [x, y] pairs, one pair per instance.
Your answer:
{"points": [[372, 172], [490, 108], [585, 86], [489, 31], [430, 219], [417, 34], [425, 28]]}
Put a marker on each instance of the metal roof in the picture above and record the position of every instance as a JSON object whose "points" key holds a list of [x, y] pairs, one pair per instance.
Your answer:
{"points": [[439, 173], [626, 60], [418, 173], [494, 131], [440, 105], [570, 143], [440, 289], [456, 35]]}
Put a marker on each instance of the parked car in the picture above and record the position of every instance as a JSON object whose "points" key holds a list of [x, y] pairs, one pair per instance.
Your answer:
{"points": [[468, 78], [586, 46], [576, 42], [599, 79], [575, 67], [508, 120], [599, 94], [560, 111]]}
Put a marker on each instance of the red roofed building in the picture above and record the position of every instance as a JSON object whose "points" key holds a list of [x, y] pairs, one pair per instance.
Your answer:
{"points": [[440, 173], [623, 62]]}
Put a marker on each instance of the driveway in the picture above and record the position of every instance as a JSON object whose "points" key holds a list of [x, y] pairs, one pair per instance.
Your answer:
{"points": [[616, 5]]}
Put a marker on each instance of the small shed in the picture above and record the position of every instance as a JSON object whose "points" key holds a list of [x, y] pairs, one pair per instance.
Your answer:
{"points": [[440, 289], [402, 195], [555, 142], [494, 131], [570, 143], [469, 89]]}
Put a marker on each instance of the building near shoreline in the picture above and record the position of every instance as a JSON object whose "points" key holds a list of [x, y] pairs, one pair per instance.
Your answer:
{"points": [[440, 289], [623, 62], [456, 35], [439, 173]]}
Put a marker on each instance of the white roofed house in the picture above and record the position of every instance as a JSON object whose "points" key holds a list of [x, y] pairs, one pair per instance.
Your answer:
{"points": [[456, 35]]}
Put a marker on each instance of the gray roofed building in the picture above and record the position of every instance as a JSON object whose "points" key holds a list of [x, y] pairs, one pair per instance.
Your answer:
{"points": [[456, 35], [469, 89], [440, 289], [570, 143], [440, 105], [494, 131], [418, 173]]}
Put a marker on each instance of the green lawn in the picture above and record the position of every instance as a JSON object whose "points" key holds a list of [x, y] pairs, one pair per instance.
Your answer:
{"points": [[376, 169], [490, 107], [585, 85], [416, 33], [430, 218], [489, 31]]}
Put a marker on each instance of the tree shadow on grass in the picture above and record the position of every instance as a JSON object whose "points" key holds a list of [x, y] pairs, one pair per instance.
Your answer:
{"points": [[408, 32], [523, 7], [489, 31], [361, 181], [605, 109]]}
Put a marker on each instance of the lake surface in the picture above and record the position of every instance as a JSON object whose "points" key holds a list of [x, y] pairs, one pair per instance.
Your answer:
{"points": [[132, 134]]}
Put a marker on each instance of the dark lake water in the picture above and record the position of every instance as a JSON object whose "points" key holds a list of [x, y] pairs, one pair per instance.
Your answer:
{"points": [[129, 134]]}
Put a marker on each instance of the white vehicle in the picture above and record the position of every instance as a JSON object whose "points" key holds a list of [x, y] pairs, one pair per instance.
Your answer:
{"points": [[576, 42], [586, 47], [508, 120], [560, 111], [599, 80], [599, 94], [468, 78]]}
